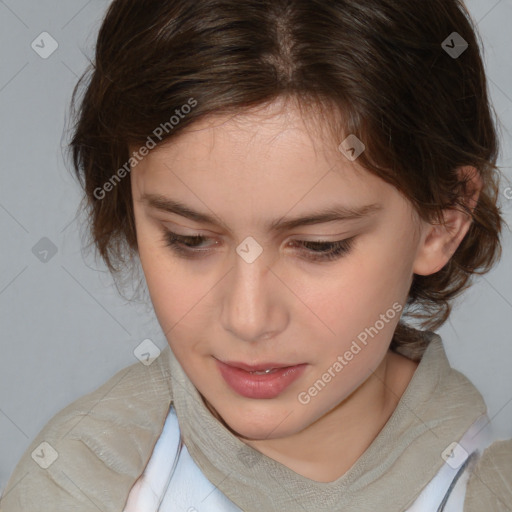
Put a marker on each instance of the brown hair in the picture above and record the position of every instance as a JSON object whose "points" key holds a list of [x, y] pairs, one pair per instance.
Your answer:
{"points": [[376, 69]]}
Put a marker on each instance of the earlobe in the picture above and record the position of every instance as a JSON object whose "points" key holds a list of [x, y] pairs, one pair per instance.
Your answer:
{"points": [[439, 242]]}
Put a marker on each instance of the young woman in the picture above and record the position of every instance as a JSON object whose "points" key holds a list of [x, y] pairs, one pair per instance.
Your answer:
{"points": [[295, 178]]}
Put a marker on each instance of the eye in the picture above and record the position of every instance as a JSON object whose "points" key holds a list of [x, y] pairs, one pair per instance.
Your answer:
{"points": [[183, 245], [318, 250]]}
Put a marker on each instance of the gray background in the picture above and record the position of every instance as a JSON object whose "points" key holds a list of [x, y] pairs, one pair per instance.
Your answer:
{"points": [[65, 330]]}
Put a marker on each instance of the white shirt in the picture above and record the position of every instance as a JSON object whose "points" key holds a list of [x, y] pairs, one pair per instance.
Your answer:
{"points": [[172, 481]]}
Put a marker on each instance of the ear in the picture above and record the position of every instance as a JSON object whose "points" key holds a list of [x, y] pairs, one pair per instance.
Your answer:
{"points": [[438, 243]]}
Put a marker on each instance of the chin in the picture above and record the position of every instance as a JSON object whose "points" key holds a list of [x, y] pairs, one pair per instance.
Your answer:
{"points": [[256, 425], [256, 433]]}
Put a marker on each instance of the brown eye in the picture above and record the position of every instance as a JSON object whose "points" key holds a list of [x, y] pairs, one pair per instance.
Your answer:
{"points": [[184, 245], [326, 251], [318, 250]]}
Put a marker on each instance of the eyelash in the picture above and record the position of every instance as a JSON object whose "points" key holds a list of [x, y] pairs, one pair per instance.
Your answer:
{"points": [[336, 249]]}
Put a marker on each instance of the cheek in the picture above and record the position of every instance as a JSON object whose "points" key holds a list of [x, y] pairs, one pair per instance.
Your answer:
{"points": [[355, 293], [357, 307], [170, 289], [179, 295], [175, 302]]}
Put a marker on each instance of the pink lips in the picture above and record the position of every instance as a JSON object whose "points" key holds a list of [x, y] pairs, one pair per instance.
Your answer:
{"points": [[252, 385]]}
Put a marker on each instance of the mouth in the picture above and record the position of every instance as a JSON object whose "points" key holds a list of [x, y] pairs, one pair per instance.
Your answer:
{"points": [[260, 367], [262, 380]]}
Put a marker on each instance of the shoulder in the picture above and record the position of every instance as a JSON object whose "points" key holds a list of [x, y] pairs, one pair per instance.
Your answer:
{"points": [[490, 484], [91, 452]]}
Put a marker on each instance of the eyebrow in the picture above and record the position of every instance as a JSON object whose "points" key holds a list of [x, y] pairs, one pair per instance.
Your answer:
{"points": [[329, 214]]}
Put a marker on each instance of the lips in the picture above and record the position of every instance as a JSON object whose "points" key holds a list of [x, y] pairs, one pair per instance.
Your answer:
{"points": [[240, 377], [258, 367]]}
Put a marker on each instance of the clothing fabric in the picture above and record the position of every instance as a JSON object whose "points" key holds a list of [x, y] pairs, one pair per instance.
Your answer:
{"points": [[106, 439], [165, 484]]}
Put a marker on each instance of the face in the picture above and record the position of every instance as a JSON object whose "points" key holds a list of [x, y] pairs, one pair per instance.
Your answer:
{"points": [[305, 294]]}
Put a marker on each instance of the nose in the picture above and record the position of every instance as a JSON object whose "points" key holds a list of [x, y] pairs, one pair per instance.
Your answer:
{"points": [[253, 305]]}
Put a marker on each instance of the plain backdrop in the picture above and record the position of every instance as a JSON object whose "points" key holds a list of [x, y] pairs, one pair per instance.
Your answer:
{"points": [[64, 329]]}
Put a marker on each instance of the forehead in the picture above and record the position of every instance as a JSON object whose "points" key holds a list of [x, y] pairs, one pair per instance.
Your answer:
{"points": [[271, 160], [283, 122], [278, 141]]}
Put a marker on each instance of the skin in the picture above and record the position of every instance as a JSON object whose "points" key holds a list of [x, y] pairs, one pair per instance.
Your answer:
{"points": [[247, 170]]}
